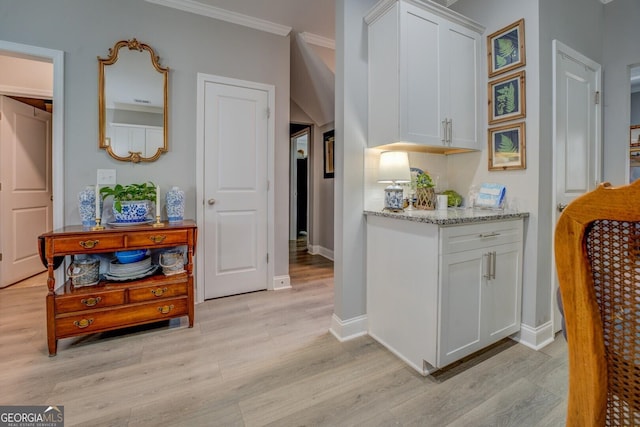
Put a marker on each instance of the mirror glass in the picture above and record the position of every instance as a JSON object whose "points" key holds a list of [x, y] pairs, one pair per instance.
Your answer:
{"points": [[133, 103]]}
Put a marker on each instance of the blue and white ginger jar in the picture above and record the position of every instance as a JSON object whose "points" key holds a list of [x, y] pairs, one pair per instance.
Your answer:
{"points": [[175, 205], [87, 206]]}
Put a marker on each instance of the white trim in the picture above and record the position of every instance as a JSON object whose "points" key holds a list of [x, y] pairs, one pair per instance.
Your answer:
{"points": [[203, 78], [345, 330], [280, 282], [318, 40], [535, 337], [320, 250], [225, 15], [26, 92]]}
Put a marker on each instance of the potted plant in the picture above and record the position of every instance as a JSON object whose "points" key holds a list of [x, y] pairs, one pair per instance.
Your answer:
{"points": [[425, 192], [130, 202]]}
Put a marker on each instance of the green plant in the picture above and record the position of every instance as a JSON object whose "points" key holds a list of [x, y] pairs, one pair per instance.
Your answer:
{"points": [[130, 192], [423, 180]]}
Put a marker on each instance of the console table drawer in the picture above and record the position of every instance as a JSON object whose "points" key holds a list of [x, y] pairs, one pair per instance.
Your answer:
{"points": [[87, 243], [102, 320], [160, 238], [149, 293], [70, 303]]}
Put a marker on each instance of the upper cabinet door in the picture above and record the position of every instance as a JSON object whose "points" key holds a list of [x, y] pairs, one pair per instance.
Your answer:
{"points": [[424, 68]]}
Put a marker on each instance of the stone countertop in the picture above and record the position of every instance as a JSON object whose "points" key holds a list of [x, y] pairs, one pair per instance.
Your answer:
{"points": [[451, 216]]}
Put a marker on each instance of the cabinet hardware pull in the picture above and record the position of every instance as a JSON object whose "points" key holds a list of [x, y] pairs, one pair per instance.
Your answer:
{"points": [[444, 132], [449, 131], [90, 302], [157, 239], [484, 236], [88, 244], [83, 323], [493, 265], [158, 292], [487, 275], [165, 309]]}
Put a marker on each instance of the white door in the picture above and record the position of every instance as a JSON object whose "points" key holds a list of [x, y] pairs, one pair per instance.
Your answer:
{"points": [[577, 128], [235, 189], [26, 209]]}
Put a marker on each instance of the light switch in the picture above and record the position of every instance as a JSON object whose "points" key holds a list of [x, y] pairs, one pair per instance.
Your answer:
{"points": [[106, 176]]}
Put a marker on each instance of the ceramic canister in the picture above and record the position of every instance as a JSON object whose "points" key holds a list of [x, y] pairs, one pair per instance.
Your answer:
{"points": [[175, 205]]}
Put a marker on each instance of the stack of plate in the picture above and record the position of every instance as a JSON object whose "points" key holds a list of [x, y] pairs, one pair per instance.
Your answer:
{"points": [[132, 270]]}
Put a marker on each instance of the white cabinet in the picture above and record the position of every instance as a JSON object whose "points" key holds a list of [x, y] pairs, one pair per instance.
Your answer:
{"points": [[424, 76], [480, 287], [127, 139], [436, 294]]}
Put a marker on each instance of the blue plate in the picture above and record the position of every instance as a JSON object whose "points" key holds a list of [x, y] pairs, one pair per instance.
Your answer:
{"points": [[126, 257]]}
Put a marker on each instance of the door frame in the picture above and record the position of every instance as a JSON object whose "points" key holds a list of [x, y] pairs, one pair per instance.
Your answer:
{"points": [[56, 57], [560, 48], [202, 79]]}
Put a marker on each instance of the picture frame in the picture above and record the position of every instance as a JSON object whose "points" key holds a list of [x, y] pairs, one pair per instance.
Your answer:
{"points": [[507, 147], [328, 143], [634, 146], [507, 98], [506, 49]]}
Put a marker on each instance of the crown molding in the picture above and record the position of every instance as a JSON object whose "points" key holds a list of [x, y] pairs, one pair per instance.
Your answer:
{"points": [[225, 15], [318, 40]]}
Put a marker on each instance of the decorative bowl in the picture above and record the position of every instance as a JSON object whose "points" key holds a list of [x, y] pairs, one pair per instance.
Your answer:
{"points": [[126, 257]]}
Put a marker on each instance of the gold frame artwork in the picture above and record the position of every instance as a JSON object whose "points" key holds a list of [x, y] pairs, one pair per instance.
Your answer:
{"points": [[510, 152], [511, 51], [499, 92]]}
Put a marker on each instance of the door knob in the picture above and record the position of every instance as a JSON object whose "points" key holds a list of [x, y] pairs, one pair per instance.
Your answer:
{"points": [[211, 201], [561, 206]]}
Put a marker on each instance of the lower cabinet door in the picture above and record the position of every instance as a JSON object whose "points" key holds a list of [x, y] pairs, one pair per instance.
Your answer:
{"points": [[460, 331], [503, 301]]}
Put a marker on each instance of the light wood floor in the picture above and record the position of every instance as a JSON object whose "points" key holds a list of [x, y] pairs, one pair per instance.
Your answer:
{"points": [[265, 358]]}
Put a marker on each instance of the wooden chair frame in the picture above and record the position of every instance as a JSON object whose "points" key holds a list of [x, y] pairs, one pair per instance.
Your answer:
{"points": [[588, 381]]}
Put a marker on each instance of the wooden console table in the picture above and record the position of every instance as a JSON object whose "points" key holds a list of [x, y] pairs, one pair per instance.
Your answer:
{"points": [[73, 311]]}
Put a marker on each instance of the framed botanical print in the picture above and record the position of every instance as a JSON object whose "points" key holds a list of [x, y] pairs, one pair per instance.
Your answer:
{"points": [[507, 98], [329, 156], [507, 147], [506, 49]]}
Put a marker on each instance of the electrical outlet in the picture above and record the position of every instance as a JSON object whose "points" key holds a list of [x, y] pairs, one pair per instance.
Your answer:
{"points": [[106, 176]]}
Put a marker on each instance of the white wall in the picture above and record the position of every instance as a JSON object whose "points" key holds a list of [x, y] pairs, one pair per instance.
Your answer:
{"points": [[187, 44], [619, 51], [21, 76]]}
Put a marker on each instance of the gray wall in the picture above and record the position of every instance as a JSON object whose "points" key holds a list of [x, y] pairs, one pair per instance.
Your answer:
{"points": [[621, 49], [187, 44]]}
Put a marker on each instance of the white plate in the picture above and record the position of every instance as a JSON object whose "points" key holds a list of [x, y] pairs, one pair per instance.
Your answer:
{"points": [[128, 224], [139, 275]]}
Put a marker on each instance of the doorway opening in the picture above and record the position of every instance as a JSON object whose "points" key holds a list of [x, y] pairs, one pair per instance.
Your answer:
{"points": [[300, 156]]}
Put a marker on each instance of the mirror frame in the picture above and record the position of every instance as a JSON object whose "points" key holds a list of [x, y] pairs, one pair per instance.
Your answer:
{"points": [[103, 142]]}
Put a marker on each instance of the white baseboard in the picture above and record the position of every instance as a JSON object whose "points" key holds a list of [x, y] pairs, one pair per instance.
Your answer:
{"points": [[322, 251], [345, 330], [281, 282], [535, 338]]}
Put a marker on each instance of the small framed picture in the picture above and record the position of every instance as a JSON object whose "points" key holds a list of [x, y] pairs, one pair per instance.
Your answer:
{"points": [[507, 98], [507, 147], [505, 49], [329, 156]]}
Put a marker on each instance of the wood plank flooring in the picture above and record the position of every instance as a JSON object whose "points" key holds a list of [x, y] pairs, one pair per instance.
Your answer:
{"points": [[265, 359]]}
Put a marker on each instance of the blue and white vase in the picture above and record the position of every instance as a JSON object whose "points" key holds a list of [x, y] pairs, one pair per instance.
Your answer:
{"points": [[175, 205], [87, 206]]}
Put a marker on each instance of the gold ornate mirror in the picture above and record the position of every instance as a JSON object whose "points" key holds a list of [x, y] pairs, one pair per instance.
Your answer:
{"points": [[132, 103]]}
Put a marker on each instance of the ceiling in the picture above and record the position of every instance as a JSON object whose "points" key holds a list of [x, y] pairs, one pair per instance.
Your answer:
{"points": [[311, 16]]}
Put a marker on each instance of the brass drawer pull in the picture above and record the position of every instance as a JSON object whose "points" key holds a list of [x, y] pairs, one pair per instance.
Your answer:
{"points": [[83, 323], [89, 244], [90, 302], [165, 309], [158, 292], [157, 239]]}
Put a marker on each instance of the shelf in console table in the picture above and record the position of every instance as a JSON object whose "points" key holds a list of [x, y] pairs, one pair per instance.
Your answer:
{"points": [[73, 311]]}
